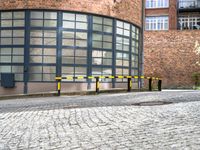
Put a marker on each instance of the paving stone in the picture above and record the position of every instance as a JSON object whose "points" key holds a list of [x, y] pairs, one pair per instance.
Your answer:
{"points": [[112, 123]]}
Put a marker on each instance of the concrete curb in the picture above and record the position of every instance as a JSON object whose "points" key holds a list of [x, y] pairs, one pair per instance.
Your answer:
{"points": [[50, 94]]}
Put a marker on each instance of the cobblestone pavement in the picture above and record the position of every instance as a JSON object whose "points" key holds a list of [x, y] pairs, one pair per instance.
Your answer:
{"points": [[108, 121]]}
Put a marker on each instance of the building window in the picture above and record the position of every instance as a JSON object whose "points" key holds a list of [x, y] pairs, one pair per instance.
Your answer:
{"points": [[157, 23], [157, 3], [12, 43], [189, 23], [73, 44], [102, 46], [122, 49], [43, 46]]}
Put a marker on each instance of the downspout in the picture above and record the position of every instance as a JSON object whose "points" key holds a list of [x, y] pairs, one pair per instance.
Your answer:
{"points": [[142, 45]]}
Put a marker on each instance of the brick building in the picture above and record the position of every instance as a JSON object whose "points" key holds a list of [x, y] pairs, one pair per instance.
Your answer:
{"points": [[41, 39], [172, 41]]}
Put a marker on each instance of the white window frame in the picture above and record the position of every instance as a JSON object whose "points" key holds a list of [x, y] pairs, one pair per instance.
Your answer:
{"points": [[189, 22], [157, 23], [157, 3]]}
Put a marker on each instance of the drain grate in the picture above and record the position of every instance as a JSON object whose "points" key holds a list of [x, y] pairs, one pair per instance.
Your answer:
{"points": [[152, 103]]}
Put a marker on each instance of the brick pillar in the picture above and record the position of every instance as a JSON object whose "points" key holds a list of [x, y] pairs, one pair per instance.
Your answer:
{"points": [[173, 14]]}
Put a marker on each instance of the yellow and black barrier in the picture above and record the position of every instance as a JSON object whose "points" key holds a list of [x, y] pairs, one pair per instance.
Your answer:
{"points": [[129, 81]]}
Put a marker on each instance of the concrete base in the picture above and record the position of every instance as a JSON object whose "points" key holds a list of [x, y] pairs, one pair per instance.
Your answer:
{"points": [[36, 87]]}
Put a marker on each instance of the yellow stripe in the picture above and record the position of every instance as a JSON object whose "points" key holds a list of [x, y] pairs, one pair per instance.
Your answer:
{"points": [[90, 77], [120, 77], [148, 77], [142, 77], [153, 78], [128, 76], [101, 77], [98, 85], [136, 77], [157, 78], [130, 83], [58, 78], [69, 78], [80, 77], [59, 85], [111, 77]]}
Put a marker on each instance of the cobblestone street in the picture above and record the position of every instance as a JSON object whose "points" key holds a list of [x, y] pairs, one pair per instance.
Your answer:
{"points": [[107, 121]]}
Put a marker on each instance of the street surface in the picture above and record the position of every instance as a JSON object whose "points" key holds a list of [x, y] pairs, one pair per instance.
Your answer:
{"points": [[149, 120]]}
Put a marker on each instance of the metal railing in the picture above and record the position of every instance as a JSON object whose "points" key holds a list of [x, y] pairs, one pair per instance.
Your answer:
{"points": [[188, 4], [97, 78]]}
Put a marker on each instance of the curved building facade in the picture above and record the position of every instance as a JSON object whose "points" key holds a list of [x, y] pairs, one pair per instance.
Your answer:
{"points": [[42, 40]]}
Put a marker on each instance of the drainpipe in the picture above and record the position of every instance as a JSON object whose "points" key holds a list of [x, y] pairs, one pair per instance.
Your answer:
{"points": [[142, 45]]}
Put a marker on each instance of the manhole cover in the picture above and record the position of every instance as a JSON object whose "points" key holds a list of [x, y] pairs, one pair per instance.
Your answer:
{"points": [[152, 103]]}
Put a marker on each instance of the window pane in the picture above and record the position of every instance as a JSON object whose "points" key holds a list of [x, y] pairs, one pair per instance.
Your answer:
{"points": [[50, 23], [108, 21], [18, 41], [18, 23], [68, 70], [36, 15], [68, 60], [5, 59], [49, 69], [68, 52], [80, 25], [81, 35], [50, 51], [36, 59], [49, 59], [97, 27], [80, 60], [81, 43], [49, 77], [68, 34], [19, 15], [5, 51], [68, 42], [6, 15], [67, 24], [6, 41], [35, 77], [17, 69], [6, 33], [98, 20], [81, 53], [50, 15], [37, 23], [82, 18], [18, 33], [6, 23], [18, 59], [18, 51], [5, 69], [36, 51], [68, 16]]}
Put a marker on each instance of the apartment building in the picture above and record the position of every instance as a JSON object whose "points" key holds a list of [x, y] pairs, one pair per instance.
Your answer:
{"points": [[171, 40]]}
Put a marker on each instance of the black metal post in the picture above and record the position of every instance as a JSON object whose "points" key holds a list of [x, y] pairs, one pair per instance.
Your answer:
{"points": [[159, 85], [97, 85], [59, 86], [150, 84], [129, 85]]}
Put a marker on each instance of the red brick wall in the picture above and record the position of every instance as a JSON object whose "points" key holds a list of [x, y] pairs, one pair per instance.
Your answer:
{"points": [[172, 14], [173, 55], [129, 10]]}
